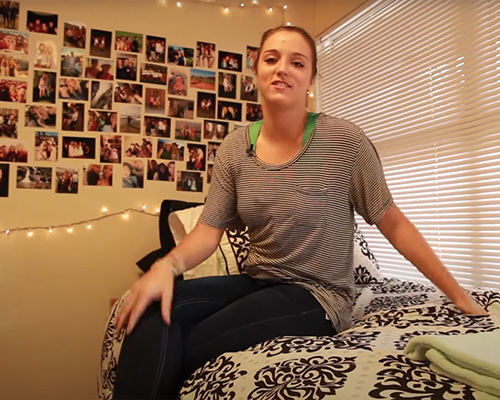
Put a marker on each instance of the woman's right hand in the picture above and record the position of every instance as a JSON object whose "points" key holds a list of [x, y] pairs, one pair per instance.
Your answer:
{"points": [[156, 284]]}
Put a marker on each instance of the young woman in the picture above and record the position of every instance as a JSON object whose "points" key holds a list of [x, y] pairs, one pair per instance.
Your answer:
{"points": [[304, 176]]}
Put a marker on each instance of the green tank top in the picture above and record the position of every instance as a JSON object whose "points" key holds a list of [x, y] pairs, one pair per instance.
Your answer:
{"points": [[308, 130]]}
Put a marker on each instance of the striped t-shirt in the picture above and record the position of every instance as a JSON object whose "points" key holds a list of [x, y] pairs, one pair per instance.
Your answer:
{"points": [[300, 214]]}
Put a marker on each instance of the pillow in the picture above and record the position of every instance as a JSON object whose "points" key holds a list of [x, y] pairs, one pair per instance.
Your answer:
{"points": [[181, 223], [366, 268]]}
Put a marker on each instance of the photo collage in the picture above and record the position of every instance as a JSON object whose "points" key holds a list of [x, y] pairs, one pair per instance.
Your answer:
{"points": [[114, 107]]}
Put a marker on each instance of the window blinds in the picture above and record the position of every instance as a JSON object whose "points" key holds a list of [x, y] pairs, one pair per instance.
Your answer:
{"points": [[422, 78]]}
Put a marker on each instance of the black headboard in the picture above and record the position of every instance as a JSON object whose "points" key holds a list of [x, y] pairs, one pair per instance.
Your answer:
{"points": [[166, 239]]}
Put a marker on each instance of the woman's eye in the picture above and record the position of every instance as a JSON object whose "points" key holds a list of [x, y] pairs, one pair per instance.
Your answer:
{"points": [[270, 60], [298, 64]]}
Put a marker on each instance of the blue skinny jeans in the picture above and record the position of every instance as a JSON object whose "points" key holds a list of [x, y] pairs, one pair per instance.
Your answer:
{"points": [[211, 316]]}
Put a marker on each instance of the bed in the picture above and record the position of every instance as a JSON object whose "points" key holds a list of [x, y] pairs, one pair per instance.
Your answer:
{"points": [[364, 362]]}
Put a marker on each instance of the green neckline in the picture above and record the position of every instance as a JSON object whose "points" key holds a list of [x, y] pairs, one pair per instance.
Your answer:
{"points": [[255, 128]]}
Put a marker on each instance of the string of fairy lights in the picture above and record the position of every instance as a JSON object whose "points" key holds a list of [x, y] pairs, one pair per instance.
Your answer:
{"points": [[87, 223], [227, 8]]}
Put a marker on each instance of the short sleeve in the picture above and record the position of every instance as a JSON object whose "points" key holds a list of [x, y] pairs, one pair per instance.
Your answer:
{"points": [[220, 208], [369, 192]]}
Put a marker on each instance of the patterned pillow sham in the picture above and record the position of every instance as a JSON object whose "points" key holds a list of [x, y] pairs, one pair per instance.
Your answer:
{"points": [[366, 268]]}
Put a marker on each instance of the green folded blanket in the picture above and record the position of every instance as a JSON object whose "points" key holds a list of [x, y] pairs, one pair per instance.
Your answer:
{"points": [[473, 359]]}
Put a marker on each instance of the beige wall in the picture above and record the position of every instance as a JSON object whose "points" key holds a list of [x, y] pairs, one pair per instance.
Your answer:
{"points": [[55, 289]]}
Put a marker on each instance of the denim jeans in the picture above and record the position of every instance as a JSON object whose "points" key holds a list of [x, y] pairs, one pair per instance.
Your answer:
{"points": [[211, 316]]}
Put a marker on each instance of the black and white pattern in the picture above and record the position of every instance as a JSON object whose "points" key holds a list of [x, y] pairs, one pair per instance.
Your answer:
{"points": [[364, 362], [240, 245]]}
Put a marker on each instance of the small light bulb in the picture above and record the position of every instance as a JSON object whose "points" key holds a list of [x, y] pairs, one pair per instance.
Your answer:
{"points": [[179, 4], [70, 229], [242, 4], [143, 208], [30, 233], [285, 7], [311, 95], [50, 230], [104, 209], [226, 9], [7, 232], [288, 23], [270, 9], [89, 226], [254, 2], [157, 210], [125, 215]]}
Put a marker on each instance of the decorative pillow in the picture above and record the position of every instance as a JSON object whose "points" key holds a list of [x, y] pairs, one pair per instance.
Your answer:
{"points": [[181, 223], [366, 268]]}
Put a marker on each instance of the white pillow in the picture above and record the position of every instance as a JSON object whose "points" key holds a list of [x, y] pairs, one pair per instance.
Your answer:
{"points": [[181, 223]]}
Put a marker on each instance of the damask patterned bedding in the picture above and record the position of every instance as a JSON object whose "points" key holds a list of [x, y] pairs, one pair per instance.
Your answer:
{"points": [[365, 362]]}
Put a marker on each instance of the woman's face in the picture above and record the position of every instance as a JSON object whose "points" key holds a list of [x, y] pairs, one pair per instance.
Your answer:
{"points": [[171, 168], [126, 171], [285, 68], [107, 171]]}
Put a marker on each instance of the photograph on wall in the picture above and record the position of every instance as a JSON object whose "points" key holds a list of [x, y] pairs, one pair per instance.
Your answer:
{"points": [[229, 110], [196, 157], [200, 79], [227, 85], [180, 108], [157, 126], [30, 177], [188, 181], [46, 144], [100, 43], [249, 90], [205, 105], [177, 82], [130, 118], [14, 41], [67, 180], [128, 41], [75, 34], [99, 69], [111, 149], [98, 175], [40, 22], [251, 58], [215, 130], [129, 93], [182, 56], [151, 73], [40, 116], [188, 130], [230, 61], [14, 65], [78, 147], [161, 171], [169, 149], [253, 112], [205, 55], [126, 67], [155, 100], [102, 121], [9, 118], [9, 13], [210, 171], [45, 55], [4, 180], [44, 87], [72, 62], [101, 96], [212, 151], [133, 174], [138, 147], [13, 151], [155, 49], [13, 91], [73, 115], [73, 89]]}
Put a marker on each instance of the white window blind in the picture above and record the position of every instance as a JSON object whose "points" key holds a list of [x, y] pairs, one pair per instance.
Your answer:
{"points": [[422, 78]]}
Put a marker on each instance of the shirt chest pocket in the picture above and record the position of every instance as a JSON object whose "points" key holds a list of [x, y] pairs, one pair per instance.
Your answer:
{"points": [[309, 205]]}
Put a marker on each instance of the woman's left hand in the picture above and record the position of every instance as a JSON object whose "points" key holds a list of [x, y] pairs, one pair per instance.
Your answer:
{"points": [[469, 306]]}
